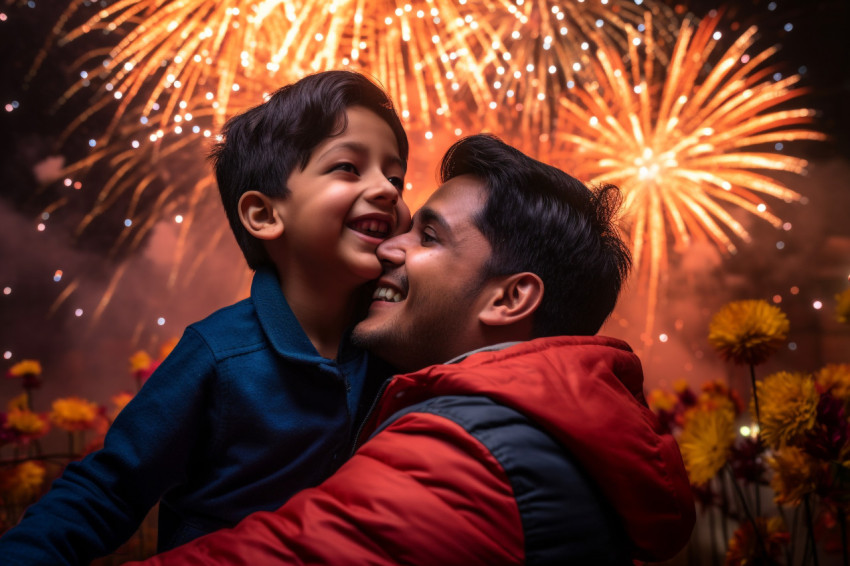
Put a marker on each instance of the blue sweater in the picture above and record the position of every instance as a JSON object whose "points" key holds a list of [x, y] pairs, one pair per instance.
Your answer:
{"points": [[240, 416]]}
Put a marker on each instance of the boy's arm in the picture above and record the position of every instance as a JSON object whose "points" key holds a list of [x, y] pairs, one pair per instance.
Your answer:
{"points": [[98, 503], [422, 491]]}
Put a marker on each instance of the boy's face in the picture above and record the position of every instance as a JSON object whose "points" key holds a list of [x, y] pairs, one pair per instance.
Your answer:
{"points": [[346, 201]]}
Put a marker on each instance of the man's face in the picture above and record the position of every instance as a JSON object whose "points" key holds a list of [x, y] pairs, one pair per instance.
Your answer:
{"points": [[425, 308]]}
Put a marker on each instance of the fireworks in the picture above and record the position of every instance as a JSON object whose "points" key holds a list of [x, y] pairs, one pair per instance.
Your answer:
{"points": [[683, 140]]}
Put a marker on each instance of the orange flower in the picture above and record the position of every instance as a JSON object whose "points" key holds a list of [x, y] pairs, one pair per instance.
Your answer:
{"points": [[25, 367], [26, 424], [73, 413], [659, 400], [835, 378], [747, 332], [18, 402], [795, 475], [140, 361], [744, 549], [22, 483], [716, 394]]}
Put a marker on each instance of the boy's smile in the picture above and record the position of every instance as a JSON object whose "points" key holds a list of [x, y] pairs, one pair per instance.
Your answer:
{"points": [[343, 203]]}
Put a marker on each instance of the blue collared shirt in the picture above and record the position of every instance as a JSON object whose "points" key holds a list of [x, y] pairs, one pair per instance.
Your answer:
{"points": [[240, 416]]}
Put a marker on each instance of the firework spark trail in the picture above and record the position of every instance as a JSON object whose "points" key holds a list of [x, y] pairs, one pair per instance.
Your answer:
{"points": [[680, 141]]}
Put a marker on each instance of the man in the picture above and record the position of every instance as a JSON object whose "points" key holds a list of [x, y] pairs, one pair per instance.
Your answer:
{"points": [[535, 445]]}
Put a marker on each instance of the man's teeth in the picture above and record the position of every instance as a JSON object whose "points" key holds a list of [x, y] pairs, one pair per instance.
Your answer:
{"points": [[377, 228], [387, 294]]}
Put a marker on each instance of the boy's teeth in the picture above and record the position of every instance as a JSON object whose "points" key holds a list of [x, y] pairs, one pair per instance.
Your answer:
{"points": [[372, 227], [387, 294]]}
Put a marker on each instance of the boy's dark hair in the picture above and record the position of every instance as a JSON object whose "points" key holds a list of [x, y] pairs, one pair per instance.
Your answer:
{"points": [[539, 219], [261, 147]]}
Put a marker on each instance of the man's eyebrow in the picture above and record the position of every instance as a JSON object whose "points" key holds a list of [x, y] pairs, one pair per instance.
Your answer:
{"points": [[362, 149]]}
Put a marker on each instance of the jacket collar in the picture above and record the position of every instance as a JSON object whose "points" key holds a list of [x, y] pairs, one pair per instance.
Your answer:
{"points": [[280, 325]]}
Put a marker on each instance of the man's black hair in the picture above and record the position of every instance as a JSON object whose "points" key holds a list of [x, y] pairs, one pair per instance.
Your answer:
{"points": [[539, 219], [261, 147]]}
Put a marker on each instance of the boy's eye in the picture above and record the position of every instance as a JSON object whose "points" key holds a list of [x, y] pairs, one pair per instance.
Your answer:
{"points": [[397, 182], [347, 167]]}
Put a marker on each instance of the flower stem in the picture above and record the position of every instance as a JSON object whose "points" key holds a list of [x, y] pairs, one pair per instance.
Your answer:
{"points": [[842, 524], [811, 529], [750, 518]]}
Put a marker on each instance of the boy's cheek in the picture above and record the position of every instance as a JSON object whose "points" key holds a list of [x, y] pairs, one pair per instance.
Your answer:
{"points": [[403, 224]]}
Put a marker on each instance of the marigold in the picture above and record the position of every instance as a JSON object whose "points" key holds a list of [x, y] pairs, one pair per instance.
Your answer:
{"points": [[140, 361], [19, 402], [25, 367], [744, 548], [747, 332], [26, 423], [842, 306], [788, 407], [659, 400], [834, 378], [73, 413], [23, 482], [795, 475], [706, 440]]}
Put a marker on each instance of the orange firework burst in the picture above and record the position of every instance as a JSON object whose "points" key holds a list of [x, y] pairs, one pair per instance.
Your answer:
{"points": [[681, 139], [536, 50]]}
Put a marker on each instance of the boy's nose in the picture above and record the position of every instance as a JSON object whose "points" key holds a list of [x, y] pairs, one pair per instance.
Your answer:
{"points": [[383, 191]]}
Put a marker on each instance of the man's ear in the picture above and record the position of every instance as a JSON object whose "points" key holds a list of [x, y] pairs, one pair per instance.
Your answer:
{"points": [[512, 299], [259, 216]]}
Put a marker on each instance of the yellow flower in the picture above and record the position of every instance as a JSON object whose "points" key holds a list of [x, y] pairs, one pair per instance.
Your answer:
{"points": [[25, 367], [835, 378], [73, 413], [747, 332], [788, 404], [842, 307], [140, 361], [25, 422], [23, 482], [19, 402], [744, 548], [794, 475], [707, 437], [659, 400]]}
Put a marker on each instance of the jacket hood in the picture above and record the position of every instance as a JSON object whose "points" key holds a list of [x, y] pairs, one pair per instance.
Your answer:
{"points": [[587, 393]]}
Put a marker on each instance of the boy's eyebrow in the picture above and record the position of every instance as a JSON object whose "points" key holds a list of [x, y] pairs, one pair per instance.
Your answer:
{"points": [[362, 148]]}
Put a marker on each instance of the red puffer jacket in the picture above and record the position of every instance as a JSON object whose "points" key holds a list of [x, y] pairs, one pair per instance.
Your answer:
{"points": [[543, 452]]}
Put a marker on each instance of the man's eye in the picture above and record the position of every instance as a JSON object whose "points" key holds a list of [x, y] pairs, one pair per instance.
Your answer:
{"points": [[428, 236], [397, 182]]}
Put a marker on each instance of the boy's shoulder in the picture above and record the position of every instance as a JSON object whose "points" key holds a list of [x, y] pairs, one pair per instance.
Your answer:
{"points": [[231, 328]]}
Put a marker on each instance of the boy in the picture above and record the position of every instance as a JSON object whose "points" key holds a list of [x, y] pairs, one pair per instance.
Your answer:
{"points": [[261, 399]]}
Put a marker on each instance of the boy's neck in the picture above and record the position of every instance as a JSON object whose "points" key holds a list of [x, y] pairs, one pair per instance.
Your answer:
{"points": [[324, 310]]}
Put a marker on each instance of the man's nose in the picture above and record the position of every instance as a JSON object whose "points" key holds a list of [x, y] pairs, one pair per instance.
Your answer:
{"points": [[391, 250]]}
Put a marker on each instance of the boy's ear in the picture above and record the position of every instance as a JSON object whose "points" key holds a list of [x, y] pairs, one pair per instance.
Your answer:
{"points": [[512, 299], [259, 216]]}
